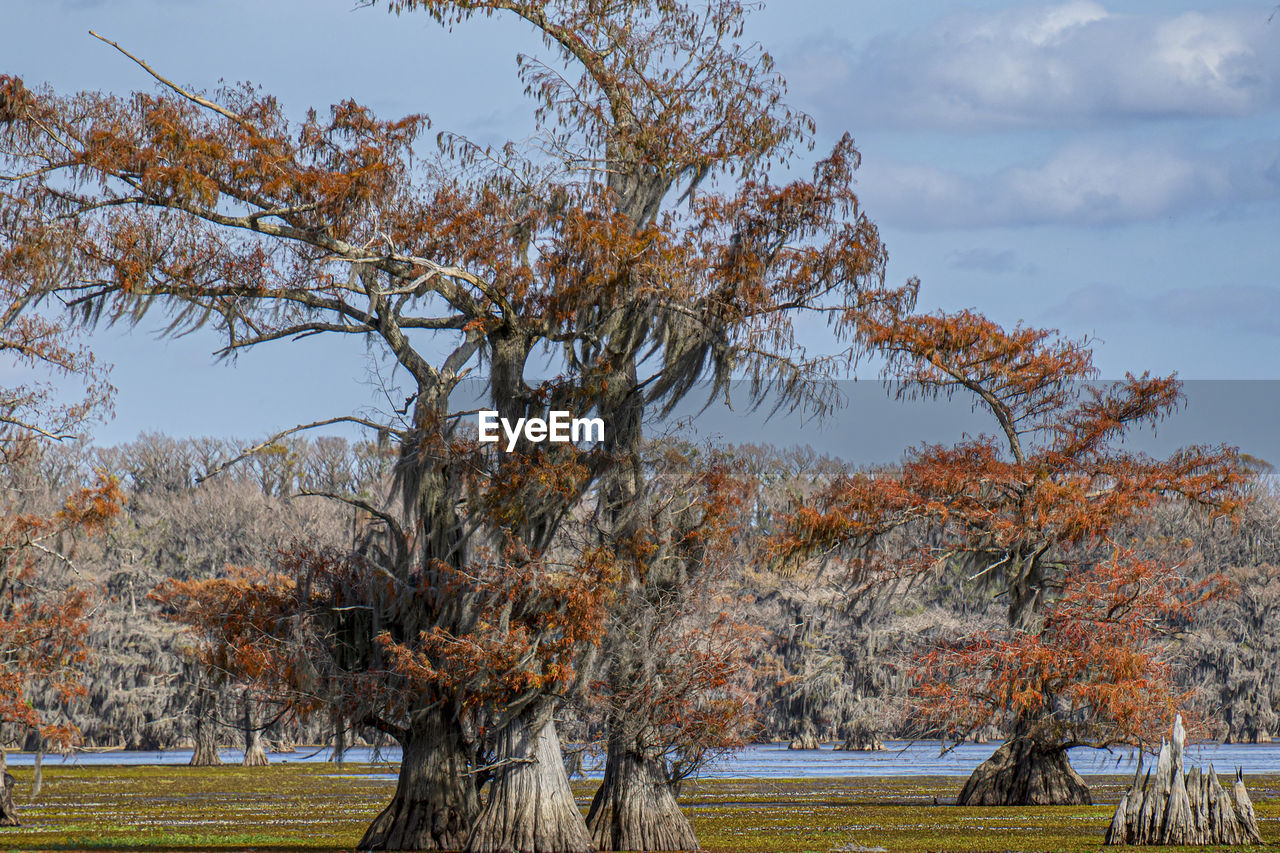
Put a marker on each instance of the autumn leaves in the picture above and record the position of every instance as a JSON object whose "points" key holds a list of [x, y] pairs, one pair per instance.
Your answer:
{"points": [[1046, 514]]}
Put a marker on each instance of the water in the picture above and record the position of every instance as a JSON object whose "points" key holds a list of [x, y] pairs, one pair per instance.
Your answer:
{"points": [[762, 761], [923, 758]]}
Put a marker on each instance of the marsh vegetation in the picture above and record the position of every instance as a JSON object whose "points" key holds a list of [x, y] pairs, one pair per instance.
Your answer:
{"points": [[319, 807]]}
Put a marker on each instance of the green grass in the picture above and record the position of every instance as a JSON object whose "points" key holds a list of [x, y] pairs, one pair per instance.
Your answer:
{"points": [[321, 807]]}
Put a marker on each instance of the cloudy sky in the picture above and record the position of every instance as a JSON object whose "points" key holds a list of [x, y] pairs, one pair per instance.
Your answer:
{"points": [[1107, 168]]}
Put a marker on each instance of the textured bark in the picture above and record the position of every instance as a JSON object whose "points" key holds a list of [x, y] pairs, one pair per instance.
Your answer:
{"points": [[8, 814], [806, 738], [435, 803], [635, 807], [37, 772], [862, 738], [281, 741], [206, 731], [339, 738], [1171, 808], [530, 807], [254, 754], [1024, 772]]}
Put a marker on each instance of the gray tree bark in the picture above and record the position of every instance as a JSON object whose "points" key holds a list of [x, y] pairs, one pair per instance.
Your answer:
{"points": [[862, 737], [205, 712], [435, 803], [806, 738], [254, 754], [1176, 809], [530, 807], [1024, 772], [8, 814], [635, 807], [339, 726]]}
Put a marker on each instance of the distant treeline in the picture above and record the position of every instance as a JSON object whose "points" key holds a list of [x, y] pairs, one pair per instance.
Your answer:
{"points": [[833, 661]]}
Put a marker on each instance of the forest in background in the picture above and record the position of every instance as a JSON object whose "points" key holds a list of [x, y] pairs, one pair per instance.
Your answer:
{"points": [[828, 660], [664, 232]]}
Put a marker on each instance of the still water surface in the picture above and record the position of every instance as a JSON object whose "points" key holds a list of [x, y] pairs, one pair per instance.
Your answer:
{"points": [[920, 758]]}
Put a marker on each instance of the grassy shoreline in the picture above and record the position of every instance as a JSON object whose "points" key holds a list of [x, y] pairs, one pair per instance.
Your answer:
{"points": [[324, 807]]}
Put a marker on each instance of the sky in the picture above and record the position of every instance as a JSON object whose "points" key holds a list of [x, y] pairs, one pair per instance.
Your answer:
{"points": [[1110, 169]]}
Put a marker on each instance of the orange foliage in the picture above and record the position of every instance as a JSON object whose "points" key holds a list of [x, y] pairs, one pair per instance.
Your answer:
{"points": [[43, 621], [307, 634], [43, 628], [1034, 510], [1093, 674]]}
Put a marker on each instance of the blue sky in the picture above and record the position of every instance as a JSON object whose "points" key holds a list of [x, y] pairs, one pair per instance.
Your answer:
{"points": [[1106, 168]]}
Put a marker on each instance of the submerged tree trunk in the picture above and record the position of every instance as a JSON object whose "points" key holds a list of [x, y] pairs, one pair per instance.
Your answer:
{"points": [[1024, 772], [254, 754], [806, 738], [435, 804], [37, 772], [862, 737], [530, 807], [280, 739], [206, 730], [635, 807], [1185, 810], [8, 814], [339, 737]]}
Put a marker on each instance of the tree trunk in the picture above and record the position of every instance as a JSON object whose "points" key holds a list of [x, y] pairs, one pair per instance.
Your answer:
{"points": [[863, 737], [1185, 810], [1024, 772], [37, 772], [281, 740], [530, 807], [206, 734], [254, 754], [8, 814], [339, 737], [807, 738], [635, 807], [435, 804]]}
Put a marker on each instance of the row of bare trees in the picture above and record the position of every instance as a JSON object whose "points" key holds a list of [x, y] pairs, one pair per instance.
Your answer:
{"points": [[144, 688], [823, 664]]}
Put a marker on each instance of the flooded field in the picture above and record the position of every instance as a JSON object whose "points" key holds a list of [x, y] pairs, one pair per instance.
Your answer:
{"points": [[316, 806]]}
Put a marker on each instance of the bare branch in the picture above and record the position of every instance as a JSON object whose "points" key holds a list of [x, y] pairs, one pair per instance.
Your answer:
{"points": [[257, 448], [191, 96]]}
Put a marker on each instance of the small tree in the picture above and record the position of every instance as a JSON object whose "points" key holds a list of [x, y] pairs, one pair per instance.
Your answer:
{"points": [[677, 662], [1095, 673], [1032, 512], [43, 617]]}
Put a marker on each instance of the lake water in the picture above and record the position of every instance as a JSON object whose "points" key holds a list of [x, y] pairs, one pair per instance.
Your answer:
{"points": [[921, 758]]}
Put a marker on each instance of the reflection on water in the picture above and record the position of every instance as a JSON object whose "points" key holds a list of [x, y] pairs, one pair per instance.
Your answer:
{"points": [[921, 758]]}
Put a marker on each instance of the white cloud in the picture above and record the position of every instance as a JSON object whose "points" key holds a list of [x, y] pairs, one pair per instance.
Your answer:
{"points": [[1063, 64], [1079, 184], [1052, 25], [1084, 183], [1227, 308]]}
